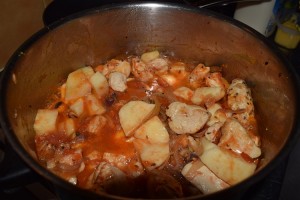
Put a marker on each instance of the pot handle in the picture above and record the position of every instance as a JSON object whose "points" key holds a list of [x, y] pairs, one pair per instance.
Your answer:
{"points": [[210, 3]]}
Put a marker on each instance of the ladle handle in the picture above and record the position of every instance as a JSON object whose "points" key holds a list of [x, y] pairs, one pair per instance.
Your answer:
{"points": [[210, 3]]}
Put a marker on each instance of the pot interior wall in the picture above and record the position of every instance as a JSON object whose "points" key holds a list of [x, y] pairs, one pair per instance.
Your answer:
{"points": [[182, 33]]}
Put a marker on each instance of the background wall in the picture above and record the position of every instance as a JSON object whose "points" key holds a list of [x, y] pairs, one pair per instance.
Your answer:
{"points": [[19, 19]]}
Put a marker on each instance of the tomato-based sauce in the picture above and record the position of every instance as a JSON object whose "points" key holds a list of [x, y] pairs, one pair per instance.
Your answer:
{"points": [[149, 126]]}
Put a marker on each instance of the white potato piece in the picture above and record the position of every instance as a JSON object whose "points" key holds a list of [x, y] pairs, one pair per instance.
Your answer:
{"points": [[226, 165], [88, 71], [153, 130], [78, 107], [184, 92], [201, 177], [186, 119], [45, 121], [77, 84], [99, 84], [152, 155], [236, 138], [69, 126], [148, 56], [94, 106], [133, 114], [178, 68], [117, 81], [207, 95], [170, 79]]}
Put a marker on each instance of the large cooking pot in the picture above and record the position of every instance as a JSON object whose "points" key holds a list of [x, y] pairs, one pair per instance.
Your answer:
{"points": [[94, 36]]}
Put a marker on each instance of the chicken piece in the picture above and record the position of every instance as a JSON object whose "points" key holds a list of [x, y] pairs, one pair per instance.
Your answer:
{"points": [[158, 65], [69, 159], [140, 70], [218, 114], [117, 81], [45, 121], [95, 124], [203, 178], [239, 96], [235, 137], [186, 119], [199, 72], [180, 151], [119, 161], [114, 65], [216, 80], [213, 133], [207, 95], [184, 92], [123, 67], [195, 145], [111, 179]]}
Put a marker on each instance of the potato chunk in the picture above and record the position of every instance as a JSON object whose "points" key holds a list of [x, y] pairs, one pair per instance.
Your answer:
{"points": [[99, 84], [148, 56], [152, 155], [207, 95], [235, 137], [94, 106], [45, 121], [78, 107], [153, 130], [78, 84], [204, 179], [133, 114], [226, 165]]}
